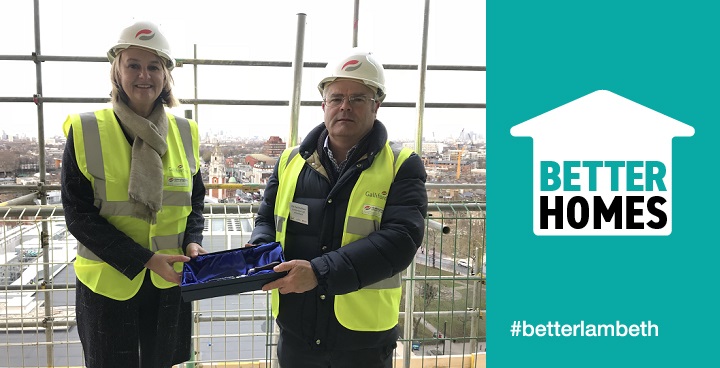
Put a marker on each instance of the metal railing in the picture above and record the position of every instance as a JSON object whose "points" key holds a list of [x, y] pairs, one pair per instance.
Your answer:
{"points": [[447, 315]]}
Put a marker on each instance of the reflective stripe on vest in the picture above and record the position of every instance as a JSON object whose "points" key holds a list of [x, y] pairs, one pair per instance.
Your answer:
{"points": [[287, 196], [374, 307], [103, 156]]}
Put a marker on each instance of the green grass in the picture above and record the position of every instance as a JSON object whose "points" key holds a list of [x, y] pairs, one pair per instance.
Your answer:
{"points": [[453, 295]]}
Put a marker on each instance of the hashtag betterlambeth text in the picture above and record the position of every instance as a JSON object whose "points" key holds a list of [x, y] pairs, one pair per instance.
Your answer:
{"points": [[582, 329]]}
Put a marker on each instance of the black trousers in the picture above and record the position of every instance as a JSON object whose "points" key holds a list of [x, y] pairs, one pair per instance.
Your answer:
{"points": [[150, 330], [294, 355]]}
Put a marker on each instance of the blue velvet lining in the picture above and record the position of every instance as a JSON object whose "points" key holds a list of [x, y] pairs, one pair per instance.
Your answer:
{"points": [[231, 264]]}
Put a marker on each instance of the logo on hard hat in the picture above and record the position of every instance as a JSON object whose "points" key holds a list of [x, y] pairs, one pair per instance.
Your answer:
{"points": [[145, 34], [351, 66]]}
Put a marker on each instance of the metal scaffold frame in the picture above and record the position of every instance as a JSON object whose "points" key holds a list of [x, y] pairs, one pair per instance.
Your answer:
{"points": [[23, 206]]}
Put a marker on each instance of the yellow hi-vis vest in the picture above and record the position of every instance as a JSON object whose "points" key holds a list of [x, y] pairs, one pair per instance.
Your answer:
{"points": [[103, 155], [374, 307]]}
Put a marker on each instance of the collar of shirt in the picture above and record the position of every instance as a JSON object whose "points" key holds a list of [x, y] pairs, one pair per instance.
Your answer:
{"points": [[337, 166]]}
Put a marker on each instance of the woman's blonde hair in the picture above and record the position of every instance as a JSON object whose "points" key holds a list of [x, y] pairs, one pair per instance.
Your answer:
{"points": [[117, 94]]}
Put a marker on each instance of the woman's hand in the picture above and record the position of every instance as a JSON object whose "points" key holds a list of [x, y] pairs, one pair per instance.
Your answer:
{"points": [[162, 264], [194, 249]]}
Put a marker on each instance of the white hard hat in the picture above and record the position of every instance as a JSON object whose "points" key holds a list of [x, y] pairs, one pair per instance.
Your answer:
{"points": [[145, 35], [358, 65]]}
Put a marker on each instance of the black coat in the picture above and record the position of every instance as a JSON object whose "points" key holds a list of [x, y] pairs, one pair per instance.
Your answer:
{"points": [[341, 270], [113, 246]]}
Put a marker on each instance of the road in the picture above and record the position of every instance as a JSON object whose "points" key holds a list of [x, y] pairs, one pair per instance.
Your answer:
{"points": [[444, 263]]}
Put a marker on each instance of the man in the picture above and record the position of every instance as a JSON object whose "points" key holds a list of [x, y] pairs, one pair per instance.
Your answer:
{"points": [[349, 211]]}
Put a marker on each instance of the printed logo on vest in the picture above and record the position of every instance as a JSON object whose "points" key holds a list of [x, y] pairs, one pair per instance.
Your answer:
{"points": [[177, 182], [371, 210], [602, 165], [178, 169], [381, 195]]}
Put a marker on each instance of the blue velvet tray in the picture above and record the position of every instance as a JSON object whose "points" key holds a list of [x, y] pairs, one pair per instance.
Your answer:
{"points": [[230, 271]]}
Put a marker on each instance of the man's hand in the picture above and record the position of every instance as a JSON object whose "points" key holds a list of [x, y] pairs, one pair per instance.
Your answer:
{"points": [[194, 249], [300, 277], [162, 264]]}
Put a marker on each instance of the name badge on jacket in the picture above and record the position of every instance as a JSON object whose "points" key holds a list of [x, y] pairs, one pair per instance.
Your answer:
{"points": [[299, 213]]}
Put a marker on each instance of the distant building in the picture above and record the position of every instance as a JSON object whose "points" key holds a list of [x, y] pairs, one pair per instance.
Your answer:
{"points": [[274, 146], [428, 147], [260, 160], [260, 174], [27, 180], [216, 173], [262, 167]]}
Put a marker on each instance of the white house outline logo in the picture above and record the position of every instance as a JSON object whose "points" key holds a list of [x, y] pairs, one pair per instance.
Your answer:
{"points": [[602, 165]]}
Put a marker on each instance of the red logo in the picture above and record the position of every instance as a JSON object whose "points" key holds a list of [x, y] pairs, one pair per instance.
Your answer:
{"points": [[351, 65], [145, 34]]}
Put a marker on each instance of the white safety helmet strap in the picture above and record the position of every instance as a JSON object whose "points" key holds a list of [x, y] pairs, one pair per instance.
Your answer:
{"points": [[360, 66], [145, 35]]}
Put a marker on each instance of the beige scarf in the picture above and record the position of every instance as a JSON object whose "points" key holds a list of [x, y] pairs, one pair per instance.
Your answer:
{"points": [[146, 169]]}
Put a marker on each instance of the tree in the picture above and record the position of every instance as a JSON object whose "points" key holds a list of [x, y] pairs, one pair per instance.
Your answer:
{"points": [[428, 292], [8, 161], [205, 155]]}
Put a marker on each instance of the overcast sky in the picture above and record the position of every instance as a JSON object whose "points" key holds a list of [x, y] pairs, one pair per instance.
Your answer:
{"points": [[249, 30]]}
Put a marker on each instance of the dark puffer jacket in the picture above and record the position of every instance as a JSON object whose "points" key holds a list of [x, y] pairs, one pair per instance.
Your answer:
{"points": [[309, 317]]}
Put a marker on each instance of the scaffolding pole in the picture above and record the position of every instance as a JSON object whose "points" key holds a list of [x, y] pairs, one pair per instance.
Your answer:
{"points": [[356, 16], [297, 80], [195, 82], [410, 290], [44, 237]]}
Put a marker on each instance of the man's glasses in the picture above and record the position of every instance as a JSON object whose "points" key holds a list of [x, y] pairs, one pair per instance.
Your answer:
{"points": [[355, 101]]}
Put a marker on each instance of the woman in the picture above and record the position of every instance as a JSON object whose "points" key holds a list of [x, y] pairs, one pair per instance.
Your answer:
{"points": [[133, 198]]}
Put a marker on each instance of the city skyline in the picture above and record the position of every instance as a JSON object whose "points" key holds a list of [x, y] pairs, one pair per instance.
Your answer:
{"points": [[209, 135]]}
